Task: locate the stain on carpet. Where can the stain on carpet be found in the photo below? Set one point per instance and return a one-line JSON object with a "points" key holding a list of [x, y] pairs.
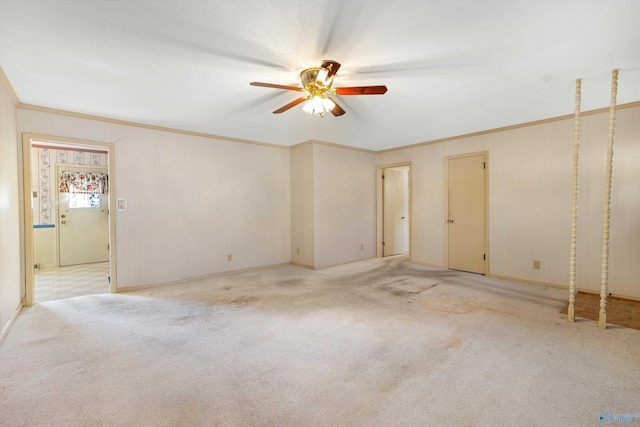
{"points": [[289, 283], [244, 300]]}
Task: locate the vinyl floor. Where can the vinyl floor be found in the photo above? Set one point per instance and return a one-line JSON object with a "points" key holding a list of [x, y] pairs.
{"points": [[72, 281]]}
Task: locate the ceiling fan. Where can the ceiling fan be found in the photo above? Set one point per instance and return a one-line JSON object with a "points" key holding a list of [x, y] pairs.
{"points": [[316, 83]]}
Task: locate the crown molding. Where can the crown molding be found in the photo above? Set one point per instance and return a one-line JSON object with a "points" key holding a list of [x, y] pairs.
{"points": [[331, 144], [145, 126], [505, 128], [346, 147], [6, 84], [302, 144]]}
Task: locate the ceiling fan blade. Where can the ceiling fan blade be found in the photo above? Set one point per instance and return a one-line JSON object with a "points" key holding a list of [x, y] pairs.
{"points": [[361, 90], [334, 20], [275, 86], [459, 62], [332, 66], [289, 105], [337, 110]]}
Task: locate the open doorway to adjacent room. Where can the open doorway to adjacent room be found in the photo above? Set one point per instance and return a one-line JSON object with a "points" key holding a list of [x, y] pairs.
{"points": [[69, 229], [394, 210]]}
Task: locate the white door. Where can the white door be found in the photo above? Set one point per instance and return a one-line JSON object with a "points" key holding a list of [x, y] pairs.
{"points": [[466, 222], [393, 212], [83, 221]]}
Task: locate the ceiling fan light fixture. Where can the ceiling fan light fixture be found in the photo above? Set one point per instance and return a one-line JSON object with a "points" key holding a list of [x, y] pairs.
{"points": [[328, 104], [322, 79], [318, 106], [316, 87]]}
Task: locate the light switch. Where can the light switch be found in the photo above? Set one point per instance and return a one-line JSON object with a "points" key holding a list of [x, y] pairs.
{"points": [[121, 204]]}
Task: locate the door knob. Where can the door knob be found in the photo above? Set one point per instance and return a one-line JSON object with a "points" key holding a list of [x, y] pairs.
{"points": [[63, 216], [450, 221], [402, 218]]}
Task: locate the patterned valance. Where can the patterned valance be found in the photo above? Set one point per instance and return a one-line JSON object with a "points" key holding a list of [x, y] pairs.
{"points": [[84, 183]]}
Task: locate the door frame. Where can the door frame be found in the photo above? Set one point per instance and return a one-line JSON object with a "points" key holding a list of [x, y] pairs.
{"points": [[59, 167], [486, 206], [379, 207], [27, 139]]}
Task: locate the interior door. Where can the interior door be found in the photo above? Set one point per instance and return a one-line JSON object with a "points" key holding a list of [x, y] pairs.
{"points": [[393, 212], [83, 222], [466, 209]]}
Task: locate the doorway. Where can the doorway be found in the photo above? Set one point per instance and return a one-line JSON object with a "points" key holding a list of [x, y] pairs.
{"points": [[69, 229], [83, 218], [394, 207], [466, 192]]}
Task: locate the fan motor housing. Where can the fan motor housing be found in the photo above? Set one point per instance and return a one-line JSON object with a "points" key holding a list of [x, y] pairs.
{"points": [[309, 78]]}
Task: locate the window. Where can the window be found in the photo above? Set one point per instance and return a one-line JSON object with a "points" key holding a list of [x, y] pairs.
{"points": [[84, 201]]}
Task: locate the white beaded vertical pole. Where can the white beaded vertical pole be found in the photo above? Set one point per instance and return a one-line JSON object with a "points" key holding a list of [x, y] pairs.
{"points": [[602, 323], [574, 211]]}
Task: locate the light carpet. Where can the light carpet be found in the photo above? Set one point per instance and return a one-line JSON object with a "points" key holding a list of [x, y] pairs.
{"points": [[372, 343]]}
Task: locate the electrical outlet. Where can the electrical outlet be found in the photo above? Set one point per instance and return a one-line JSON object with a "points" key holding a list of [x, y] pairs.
{"points": [[536, 265], [229, 257], [297, 251], [362, 246]]}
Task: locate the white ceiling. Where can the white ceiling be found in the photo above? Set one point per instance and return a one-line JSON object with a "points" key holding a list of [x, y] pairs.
{"points": [[452, 67]]}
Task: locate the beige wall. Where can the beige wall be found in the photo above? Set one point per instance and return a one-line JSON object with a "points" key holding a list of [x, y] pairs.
{"points": [[344, 205], [11, 287], [530, 179], [624, 258], [333, 200], [191, 202], [302, 209]]}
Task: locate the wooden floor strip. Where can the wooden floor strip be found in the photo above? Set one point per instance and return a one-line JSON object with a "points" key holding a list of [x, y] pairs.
{"points": [[620, 311]]}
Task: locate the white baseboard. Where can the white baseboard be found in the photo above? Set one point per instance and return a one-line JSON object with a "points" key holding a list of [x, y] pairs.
{"points": [[190, 279], [10, 323], [558, 286], [309, 267], [322, 267]]}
